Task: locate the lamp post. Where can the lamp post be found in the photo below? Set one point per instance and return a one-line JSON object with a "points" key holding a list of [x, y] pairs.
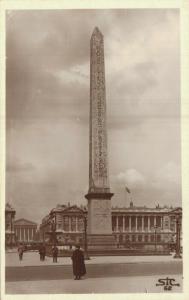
{"points": [[85, 239], [155, 237], [11, 231], [178, 227], [54, 239]]}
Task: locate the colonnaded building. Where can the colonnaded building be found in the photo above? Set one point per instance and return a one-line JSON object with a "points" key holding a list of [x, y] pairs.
{"points": [[137, 227], [18, 231]]}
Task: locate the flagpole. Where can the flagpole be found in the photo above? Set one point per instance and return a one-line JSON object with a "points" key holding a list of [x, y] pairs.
{"points": [[128, 191]]}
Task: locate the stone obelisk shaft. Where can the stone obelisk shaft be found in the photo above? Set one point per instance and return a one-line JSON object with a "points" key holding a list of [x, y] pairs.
{"points": [[99, 196], [98, 161]]}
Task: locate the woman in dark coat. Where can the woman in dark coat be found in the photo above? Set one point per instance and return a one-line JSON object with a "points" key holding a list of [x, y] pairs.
{"points": [[78, 263]]}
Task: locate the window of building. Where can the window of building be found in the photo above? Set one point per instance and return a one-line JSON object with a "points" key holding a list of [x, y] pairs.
{"points": [[127, 222], [114, 224], [7, 226], [133, 238], [133, 223], [146, 238], [59, 226], [120, 239], [158, 221], [80, 224], [158, 238], [66, 223], [140, 238], [151, 221], [73, 224], [127, 238], [152, 238], [139, 223]]}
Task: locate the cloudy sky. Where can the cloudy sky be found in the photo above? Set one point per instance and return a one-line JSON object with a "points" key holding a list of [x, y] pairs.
{"points": [[47, 102]]}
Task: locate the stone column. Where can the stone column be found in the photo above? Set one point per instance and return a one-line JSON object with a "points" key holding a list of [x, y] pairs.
{"points": [[123, 224], [148, 223], [26, 234], [142, 223], [136, 223], [22, 234], [117, 227], [130, 223], [161, 220]]}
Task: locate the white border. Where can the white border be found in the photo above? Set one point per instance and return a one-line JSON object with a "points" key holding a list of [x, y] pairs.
{"points": [[81, 4]]}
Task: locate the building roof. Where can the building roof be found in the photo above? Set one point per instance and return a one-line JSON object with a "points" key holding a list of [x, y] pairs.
{"points": [[24, 222], [131, 209], [144, 209], [68, 208]]}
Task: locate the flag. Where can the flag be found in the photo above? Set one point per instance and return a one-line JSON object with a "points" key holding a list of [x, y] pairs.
{"points": [[127, 190]]}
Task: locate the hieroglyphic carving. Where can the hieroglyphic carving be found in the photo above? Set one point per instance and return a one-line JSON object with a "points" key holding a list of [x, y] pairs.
{"points": [[98, 175]]}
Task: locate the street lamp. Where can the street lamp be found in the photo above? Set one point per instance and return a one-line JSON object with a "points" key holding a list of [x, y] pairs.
{"points": [[178, 229], [11, 231], [53, 228], [85, 239], [155, 236]]}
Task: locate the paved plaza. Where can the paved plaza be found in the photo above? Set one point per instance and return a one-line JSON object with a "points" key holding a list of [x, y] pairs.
{"points": [[138, 284], [107, 274], [32, 259]]}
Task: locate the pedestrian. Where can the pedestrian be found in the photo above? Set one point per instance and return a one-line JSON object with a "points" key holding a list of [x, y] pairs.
{"points": [[20, 251], [78, 263], [55, 253], [42, 252]]}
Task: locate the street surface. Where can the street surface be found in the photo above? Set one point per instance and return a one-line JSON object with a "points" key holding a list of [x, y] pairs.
{"points": [[93, 271], [104, 274], [144, 284]]}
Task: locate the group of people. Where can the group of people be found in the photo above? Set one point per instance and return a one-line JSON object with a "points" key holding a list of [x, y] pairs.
{"points": [[78, 261]]}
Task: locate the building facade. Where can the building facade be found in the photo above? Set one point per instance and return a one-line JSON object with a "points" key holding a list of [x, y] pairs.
{"points": [[69, 224], [25, 231], [9, 225], [133, 227], [143, 227]]}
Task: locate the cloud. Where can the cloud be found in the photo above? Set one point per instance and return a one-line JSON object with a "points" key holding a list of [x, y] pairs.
{"points": [[131, 177]]}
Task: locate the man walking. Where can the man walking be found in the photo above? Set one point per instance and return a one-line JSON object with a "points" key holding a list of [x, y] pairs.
{"points": [[55, 253], [78, 263], [20, 251], [42, 252]]}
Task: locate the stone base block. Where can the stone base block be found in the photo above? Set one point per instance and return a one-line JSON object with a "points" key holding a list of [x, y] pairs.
{"points": [[101, 241]]}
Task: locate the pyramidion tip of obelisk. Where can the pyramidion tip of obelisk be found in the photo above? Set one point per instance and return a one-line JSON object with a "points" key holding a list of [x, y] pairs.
{"points": [[97, 32]]}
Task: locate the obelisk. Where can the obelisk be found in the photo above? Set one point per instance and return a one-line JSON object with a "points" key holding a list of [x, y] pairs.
{"points": [[99, 196]]}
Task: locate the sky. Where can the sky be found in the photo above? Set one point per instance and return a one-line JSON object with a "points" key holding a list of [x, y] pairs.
{"points": [[47, 107]]}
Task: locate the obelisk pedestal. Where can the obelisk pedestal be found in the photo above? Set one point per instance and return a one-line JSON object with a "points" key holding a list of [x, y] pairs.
{"points": [[99, 226]]}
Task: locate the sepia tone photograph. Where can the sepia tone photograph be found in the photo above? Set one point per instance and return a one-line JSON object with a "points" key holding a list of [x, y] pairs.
{"points": [[93, 198]]}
